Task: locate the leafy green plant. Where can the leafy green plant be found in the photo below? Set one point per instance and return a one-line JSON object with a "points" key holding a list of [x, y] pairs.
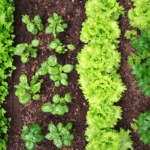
{"points": [[4, 125], [142, 125], [34, 25], [32, 135], [128, 33], [55, 70], [59, 107], [59, 47], [25, 50], [60, 135], [55, 25], [24, 91]]}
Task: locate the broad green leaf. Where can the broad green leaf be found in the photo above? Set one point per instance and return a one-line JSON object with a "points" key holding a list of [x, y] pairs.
{"points": [[56, 98], [24, 99], [67, 68], [38, 138], [64, 82], [23, 79], [49, 136], [35, 31], [35, 43], [30, 27], [69, 125], [25, 19], [46, 107], [64, 76], [59, 126], [55, 16], [57, 84], [52, 128], [64, 25], [53, 70], [54, 77], [67, 97], [52, 60], [59, 49], [40, 26], [26, 128], [53, 45], [60, 110], [36, 88], [42, 71], [134, 126], [71, 47], [49, 30], [50, 20], [20, 48], [36, 97], [58, 142], [24, 59], [35, 129], [59, 28], [37, 19], [25, 135], [67, 142], [58, 41], [71, 136], [30, 145]]}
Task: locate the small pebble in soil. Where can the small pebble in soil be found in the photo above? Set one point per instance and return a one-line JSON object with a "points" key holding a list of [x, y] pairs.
{"points": [[138, 100]]}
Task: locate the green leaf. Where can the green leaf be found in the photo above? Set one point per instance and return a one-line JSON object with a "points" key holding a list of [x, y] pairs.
{"points": [[25, 135], [23, 79], [64, 25], [42, 71], [64, 76], [69, 125], [67, 68], [25, 19], [30, 27], [20, 48], [37, 19], [53, 70], [54, 77], [64, 82], [58, 142], [52, 60], [60, 49], [38, 138], [55, 16], [71, 136], [52, 128], [60, 110], [40, 26], [56, 98], [35, 31], [53, 45], [46, 107], [49, 136], [59, 28], [57, 84], [24, 59], [35, 129], [67, 142], [134, 126], [71, 47], [49, 30], [26, 98], [26, 128], [67, 97], [59, 126], [35, 43], [58, 41], [30, 145], [36, 97]]}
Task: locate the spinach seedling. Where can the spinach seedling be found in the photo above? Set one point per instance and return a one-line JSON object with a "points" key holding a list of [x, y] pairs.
{"points": [[60, 135], [25, 50], [32, 135], [55, 70], [59, 107], [59, 47], [55, 25], [24, 91], [33, 25]]}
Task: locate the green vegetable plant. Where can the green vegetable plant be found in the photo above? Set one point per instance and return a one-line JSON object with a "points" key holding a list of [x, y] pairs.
{"points": [[4, 125], [59, 107], [58, 73], [55, 25], [60, 134], [33, 25], [128, 33], [25, 92], [25, 50], [59, 47], [142, 125], [32, 135]]}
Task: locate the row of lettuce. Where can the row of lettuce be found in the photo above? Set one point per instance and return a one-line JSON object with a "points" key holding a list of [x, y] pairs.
{"points": [[139, 17], [101, 84], [6, 62]]}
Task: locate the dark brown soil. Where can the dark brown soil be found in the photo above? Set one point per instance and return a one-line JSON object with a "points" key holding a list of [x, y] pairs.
{"points": [[133, 102]]}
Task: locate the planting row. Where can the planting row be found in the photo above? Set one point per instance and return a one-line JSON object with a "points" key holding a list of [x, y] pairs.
{"points": [[140, 61], [6, 62], [102, 86]]}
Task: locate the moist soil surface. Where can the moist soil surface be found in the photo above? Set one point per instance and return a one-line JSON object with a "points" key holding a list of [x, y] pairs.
{"points": [[73, 12]]}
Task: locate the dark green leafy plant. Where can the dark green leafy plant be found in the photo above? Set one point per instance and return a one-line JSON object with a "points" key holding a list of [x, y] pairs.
{"points": [[55, 25], [59, 107], [142, 125], [4, 125], [32, 135], [60, 135], [55, 70], [24, 91], [59, 47], [25, 50], [33, 25]]}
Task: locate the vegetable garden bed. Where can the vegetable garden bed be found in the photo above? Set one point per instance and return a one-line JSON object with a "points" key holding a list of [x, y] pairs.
{"points": [[73, 12]]}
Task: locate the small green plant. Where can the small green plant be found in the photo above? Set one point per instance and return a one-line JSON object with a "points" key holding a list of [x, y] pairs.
{"points": [[59, 47], [33, 25], [128, 33], [59, 134], [25, 50], [142, 125], [24, 91], [55, 25], [55, 70], [59, 107], [4, 125], [32, 135]]}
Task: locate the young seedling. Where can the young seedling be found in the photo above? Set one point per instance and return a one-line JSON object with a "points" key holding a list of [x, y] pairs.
{"points": [[55, 25], [59, 107], [24, 91], [55, 70], [59, 47], [33, 25], [32, 135], [60, 135], [25, 50]]}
